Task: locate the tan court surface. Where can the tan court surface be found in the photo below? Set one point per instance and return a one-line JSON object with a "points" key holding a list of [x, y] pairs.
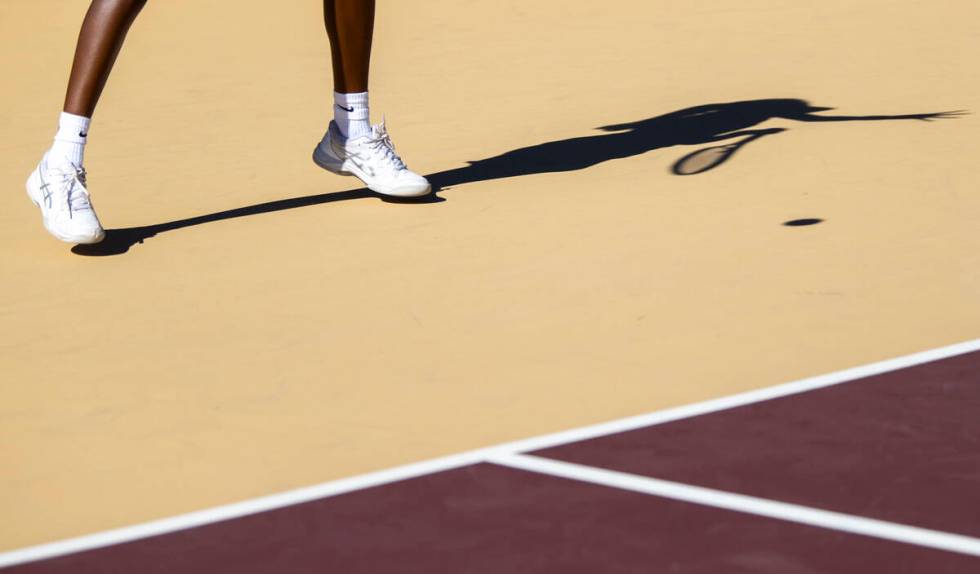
{"points": [[249, 355]]}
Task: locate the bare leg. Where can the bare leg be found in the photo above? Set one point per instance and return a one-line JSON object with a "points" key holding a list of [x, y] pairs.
{"points": [[350, 27], [99, 41]]}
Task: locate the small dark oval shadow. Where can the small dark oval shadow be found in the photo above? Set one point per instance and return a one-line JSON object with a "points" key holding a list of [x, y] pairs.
{"points": [[802, 222]]}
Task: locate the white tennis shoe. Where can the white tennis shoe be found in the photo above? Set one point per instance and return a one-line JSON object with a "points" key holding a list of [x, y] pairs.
{"points": [[66, 209], [371, 158]]}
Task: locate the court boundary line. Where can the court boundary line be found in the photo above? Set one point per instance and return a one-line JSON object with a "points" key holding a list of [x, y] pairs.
{"points": [[726, 500], [364, 481]]}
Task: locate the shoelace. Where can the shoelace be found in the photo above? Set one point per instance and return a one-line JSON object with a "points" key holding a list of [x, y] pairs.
{"points": [[76, 196], [381, 143]]}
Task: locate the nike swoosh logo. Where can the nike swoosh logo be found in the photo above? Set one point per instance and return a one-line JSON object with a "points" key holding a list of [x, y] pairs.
{"points": [[350, 109], [83, 134]]}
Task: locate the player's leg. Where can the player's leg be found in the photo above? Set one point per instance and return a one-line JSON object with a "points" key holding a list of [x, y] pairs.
{"points": [[58, 185], [350, 29], [352, 146], [102, 34]]}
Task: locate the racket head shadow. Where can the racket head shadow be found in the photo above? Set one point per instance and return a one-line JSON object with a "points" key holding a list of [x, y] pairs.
{"points": [[702, 160]]}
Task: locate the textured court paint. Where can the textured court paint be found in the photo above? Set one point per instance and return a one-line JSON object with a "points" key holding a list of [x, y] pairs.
{"points": [[809, 516], [495, 453], [902, 446], [246, 356], [490, 519]]}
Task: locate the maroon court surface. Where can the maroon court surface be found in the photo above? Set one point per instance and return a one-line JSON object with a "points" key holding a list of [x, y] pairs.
{"points": [[902, 447]]}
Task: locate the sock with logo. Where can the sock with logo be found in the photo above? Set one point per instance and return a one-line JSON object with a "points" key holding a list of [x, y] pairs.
{"points": [[350, 112], [69, 143]]}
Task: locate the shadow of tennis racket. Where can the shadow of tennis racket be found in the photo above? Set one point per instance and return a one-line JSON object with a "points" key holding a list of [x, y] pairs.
{"points": [[709, 158]]}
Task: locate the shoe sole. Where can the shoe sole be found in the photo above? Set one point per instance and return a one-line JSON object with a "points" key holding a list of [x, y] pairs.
{"points": [[77, 239], [328, 163]]}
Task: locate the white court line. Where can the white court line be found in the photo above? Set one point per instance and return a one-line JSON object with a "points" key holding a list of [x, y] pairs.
{"points": [[336, 487], [742, 503]]}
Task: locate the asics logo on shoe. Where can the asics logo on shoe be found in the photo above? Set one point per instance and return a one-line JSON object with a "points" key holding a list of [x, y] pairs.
{"points": [[363, 167], [47, 194], [44, 187], [350, 109], [343, 154], [338, 149]]}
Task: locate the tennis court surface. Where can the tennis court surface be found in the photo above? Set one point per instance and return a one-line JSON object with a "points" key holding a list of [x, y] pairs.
{"points": [[869, 470], [648, 212]]}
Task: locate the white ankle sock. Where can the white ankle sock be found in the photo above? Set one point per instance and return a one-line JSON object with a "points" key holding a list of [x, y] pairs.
{"points": [[350, 112], [69, 143]]}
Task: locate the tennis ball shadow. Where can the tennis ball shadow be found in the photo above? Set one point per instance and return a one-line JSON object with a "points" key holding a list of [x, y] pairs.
{"points": [[802, 222]]}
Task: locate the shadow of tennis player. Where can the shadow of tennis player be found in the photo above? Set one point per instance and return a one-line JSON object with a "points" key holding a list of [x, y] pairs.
{"points": [[710, 123]]}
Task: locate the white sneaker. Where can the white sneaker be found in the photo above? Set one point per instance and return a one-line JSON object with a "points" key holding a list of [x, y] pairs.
{"points": [[59, 192], [371, 158]]}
